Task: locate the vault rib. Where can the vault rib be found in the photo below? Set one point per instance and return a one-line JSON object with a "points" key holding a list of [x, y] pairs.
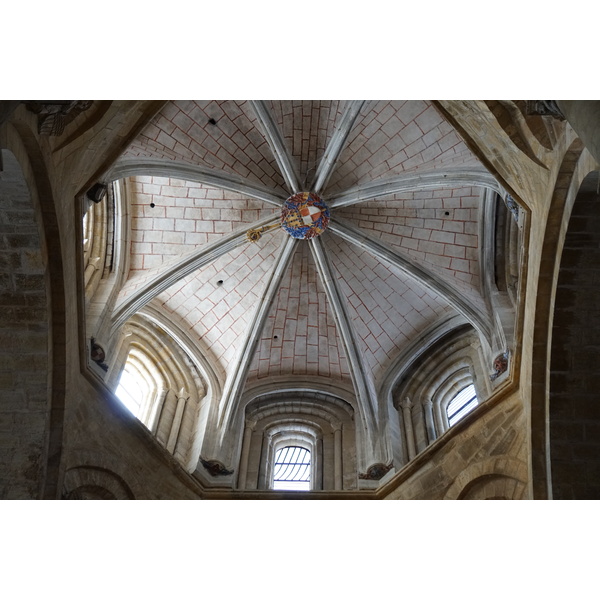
{"points": [[160, 167], [480, 320], [276, 144], [336, 145], [410, 182], [367, 401], [237, 378], [176, 271]]}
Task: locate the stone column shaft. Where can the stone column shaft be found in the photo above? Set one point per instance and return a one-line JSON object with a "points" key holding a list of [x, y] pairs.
{"points": [[337, 459], [408, 427], [245, 455]]}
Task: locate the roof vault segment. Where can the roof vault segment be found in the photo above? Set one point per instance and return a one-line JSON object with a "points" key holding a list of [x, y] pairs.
{"points": [[159, 167], [367, 401], [237, 377], [275, 141], [336, 145], [417, 272], [180, 269], [411, 182]]}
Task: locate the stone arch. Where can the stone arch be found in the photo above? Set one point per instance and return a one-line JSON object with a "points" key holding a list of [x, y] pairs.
{"points": [[325, 424], [576, 164], [499, 477], [493, 487], [86, 482], [574, 410], [18, 140], [180, 393], [513, 123], [431, 381]]}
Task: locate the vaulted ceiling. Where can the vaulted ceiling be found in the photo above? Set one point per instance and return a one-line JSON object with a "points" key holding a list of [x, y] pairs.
{"points": [[402, 252]]}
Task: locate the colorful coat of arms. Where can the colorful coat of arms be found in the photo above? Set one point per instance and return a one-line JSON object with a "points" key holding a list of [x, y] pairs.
{"points": [[304, 215]]}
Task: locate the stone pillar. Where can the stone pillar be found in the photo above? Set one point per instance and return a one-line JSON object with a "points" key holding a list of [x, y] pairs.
{"points": [[429, 422], [243, 469], [176, 425], [408, 427], [337, 457], [318, 459], [157, 411], [264, 462]]}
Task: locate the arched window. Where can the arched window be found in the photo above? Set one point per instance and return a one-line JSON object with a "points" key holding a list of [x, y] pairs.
{"points": [[140, 387], [464, 402], [291, 469]]}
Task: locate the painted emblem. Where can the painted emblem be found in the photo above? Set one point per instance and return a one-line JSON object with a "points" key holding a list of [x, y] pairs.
{"points": [[304, 215]]}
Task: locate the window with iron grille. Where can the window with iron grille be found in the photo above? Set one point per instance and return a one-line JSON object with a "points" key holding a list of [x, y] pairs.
{"points": [[291, 469], [464, 402]]}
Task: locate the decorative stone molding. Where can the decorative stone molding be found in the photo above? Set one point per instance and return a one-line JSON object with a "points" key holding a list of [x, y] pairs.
{"points": [[500, 365], [97, 192], [215, 468], [97, 354], [376, 471], [544, 108], [55, 115]]}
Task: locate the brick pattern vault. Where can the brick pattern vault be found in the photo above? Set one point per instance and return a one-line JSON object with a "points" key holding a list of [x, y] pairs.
{"points": [[201, 191]]}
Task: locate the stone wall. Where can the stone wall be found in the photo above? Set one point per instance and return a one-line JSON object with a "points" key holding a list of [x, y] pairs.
{"points": [[23, 339], [488, 446], [574, 406]]}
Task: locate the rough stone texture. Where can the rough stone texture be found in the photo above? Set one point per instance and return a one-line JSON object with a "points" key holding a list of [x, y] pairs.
{"points": [[23, 340], [493, 446], [574, 397], [104, 434]]}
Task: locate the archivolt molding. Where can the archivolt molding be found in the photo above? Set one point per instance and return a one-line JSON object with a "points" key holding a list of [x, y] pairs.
{"points": [[179, 393], [319, 422], [298, 386], [200, 356], [429, 383], [328, 407]]}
